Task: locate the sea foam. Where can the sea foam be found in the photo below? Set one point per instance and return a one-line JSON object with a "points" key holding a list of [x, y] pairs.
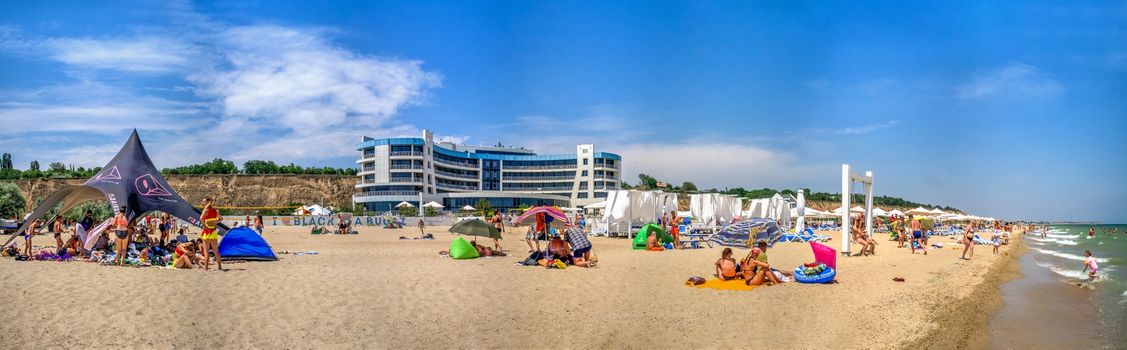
{"points": [[1066, 255]]}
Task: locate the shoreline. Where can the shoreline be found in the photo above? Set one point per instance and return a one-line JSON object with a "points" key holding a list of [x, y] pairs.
{"points": [[969, 317]]}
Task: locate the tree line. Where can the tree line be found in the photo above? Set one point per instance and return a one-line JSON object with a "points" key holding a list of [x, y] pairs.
{"points": [[216, 166], [646, 182]]}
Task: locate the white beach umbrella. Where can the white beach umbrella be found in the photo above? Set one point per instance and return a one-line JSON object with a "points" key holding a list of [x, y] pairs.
{"points": [[919, 210], [937, 211], [879, 212], [857, 209], [404, 204], [468, 208], [433, 204]]}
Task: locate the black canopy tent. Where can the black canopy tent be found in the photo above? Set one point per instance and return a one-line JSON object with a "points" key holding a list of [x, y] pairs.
{"points": [[129, 179]]}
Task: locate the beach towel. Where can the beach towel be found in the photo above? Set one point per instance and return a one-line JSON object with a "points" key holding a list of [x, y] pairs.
{"points": [[718, 284]]}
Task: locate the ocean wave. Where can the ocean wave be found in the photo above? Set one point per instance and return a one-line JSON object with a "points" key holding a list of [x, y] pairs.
{"points": [[1072, 274], [1066, 255], [1053, 240], [1062, 236]]}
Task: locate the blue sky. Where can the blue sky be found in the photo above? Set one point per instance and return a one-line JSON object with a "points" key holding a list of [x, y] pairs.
{"points": [[1004, 109]]}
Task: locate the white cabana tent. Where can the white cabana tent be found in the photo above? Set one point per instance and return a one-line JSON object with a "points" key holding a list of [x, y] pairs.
{"points": [[433, 204], [936, 211], [879, 212], [896, 212], [404, 204], [468, 208], [626, 208]]}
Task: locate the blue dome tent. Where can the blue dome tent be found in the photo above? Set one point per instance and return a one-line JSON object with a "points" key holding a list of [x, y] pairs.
{"points": [[242, 243]]}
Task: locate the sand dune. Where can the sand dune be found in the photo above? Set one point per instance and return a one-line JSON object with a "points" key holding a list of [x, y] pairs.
{"points": [[374, 291]]}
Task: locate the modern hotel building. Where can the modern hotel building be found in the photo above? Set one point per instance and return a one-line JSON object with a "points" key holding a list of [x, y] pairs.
{"points": [[394, 170]]}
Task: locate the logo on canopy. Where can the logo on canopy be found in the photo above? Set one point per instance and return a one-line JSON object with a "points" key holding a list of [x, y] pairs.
{"points": [[147, 185], [109, 174]]}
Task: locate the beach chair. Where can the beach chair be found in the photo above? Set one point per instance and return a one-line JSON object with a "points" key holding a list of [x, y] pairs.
{"points": [[694, 237]]}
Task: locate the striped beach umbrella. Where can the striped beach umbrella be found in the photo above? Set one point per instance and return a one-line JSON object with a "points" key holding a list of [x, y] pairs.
{"points": [[555, 213]]}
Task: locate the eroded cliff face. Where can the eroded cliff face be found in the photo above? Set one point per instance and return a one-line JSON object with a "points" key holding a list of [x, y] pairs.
{"points": [[231, 190]]}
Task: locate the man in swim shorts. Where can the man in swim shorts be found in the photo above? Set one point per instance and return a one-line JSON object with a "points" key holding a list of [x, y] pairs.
{"points": [[210, 235], [917, 235]]}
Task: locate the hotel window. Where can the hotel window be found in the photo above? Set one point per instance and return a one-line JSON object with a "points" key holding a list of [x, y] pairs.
{"points": [[584, 173], [582, 195], [584, 161]]}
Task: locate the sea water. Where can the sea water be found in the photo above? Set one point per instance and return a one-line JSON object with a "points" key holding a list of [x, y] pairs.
{"points": [[1054, 287]]}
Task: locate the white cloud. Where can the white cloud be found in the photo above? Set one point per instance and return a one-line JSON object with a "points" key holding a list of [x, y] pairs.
{"points": [[147, 54], [261, 91], [1014, 80], [711, 164], [865, 129]]}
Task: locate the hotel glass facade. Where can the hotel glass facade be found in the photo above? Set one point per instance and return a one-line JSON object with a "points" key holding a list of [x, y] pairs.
{"points": [[394, 170]]}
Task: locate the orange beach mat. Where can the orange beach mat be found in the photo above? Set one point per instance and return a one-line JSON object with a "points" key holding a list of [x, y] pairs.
{"points": [[716, 283]]}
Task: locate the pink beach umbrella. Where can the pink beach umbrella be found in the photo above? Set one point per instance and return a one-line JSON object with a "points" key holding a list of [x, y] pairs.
{"points": [[558, 216]]}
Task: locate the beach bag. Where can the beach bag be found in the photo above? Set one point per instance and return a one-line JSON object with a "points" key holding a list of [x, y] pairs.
{"points": [[533, 259], [21, 257], [695, 280]]}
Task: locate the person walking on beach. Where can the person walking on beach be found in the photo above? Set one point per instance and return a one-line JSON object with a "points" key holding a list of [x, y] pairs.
{"points": [[209, 234], [500, 225], [422, 228], [121, 236], [968, 241], [1090, 264], [917, 234]]}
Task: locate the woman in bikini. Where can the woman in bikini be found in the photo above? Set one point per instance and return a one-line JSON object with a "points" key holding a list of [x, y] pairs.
{"points": [[968, 241], [121, 236], [499, 224]]}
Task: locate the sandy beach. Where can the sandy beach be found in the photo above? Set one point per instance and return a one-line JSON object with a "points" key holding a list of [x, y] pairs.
{"points": [[373, 290]]}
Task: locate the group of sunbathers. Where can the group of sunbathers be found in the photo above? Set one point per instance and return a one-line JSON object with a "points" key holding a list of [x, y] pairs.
{"points": [[754, 268]]}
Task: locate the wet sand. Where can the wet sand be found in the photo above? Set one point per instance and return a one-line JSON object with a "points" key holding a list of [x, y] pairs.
{"points": [[374, 291], [1040, 312]]}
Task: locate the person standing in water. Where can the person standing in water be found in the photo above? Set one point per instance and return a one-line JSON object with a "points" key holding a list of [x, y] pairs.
{"points": [[1090, 264], [210, 235], [1091, 232]]}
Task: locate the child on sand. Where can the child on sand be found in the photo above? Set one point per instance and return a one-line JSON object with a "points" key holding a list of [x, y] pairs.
{"points": [[726, 268], [1090, 264]]}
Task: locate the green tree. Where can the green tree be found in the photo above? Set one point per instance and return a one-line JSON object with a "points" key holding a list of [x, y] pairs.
{"points": [[57, 167], [428, 211], [101, 210], [484, 207], [688, 187], [6, 162], [34, 166], [12, 201], [260, 167], [626, 186], [646, 181], [408, 211]]}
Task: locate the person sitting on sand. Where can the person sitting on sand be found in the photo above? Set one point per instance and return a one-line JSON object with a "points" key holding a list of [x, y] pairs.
{"points": [[183, 256], [652, 243], [760, 270], [726, 268]]}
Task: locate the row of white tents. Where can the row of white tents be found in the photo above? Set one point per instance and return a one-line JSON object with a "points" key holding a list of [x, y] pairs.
{"points": [[625, 208]]}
